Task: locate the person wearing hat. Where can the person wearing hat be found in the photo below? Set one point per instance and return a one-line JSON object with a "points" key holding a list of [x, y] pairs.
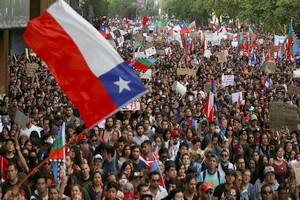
{"points": [[269, 178], [146, 196], [224, 162], [223, 188], [253, 125], [85, 149], [174, 144], [211, 174], [204, 190], [222, 143]]}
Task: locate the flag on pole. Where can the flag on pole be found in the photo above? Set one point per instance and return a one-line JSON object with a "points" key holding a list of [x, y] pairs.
{"points": [[209, 106], [155, 167], [57, 153], [72, 48], [104, 31], [183, 28], [252, 58], [267, 81], [192, 26], [145, 20], [239, 102]]}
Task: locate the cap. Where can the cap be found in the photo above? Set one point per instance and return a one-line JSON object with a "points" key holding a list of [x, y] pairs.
{"points": [[230, 172], [213, 156], [133, 176], [81, 138], [174, 133], [146, 195], [205, 186], [98, 156], [50, 140], [269, 169], [253, 117]]}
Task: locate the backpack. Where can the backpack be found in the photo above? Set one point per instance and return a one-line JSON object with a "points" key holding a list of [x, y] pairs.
{"points": [[218, 173]]}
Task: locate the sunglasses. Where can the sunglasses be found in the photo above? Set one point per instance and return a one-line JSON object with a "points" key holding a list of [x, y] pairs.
{"points": [[229, 129], [224, 155], [94, 140], [175, 136], [267, 192], [155, 180], [208, 192]]}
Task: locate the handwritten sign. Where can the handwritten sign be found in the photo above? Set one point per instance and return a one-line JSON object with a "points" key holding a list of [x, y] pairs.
{"points": [[184, 71], [133, 106], [31, 69], [150, 51], [283, 114], [293, 90], [227, 80], [271, 67]]}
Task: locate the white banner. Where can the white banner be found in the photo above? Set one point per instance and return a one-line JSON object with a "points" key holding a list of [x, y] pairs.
{"points": [[133, 106], [151, 51], [227, 80], [278, 39], [235, 96]]}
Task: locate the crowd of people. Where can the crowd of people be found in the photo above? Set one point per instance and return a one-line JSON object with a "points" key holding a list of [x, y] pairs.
{"points": [[237, 155]]}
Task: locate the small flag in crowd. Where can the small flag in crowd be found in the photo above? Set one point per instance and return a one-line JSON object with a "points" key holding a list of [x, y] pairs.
{"points": [[57, 153], [72, 49], [155, 167], [142, 64], [104, 31], [209, 106], [252, 58], [168, 51], [192, 26], [268, 83], [145, 20], [183, 28]]}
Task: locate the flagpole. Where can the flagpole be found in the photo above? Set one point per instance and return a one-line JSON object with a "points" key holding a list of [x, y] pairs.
{"points": [[48, 158]]}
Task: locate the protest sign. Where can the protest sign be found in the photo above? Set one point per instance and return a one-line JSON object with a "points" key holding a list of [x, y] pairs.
{"points": [[31, 69], [221, 57], [184, 71], [139, 37], [283, 115], [295, 165], [161, 52], [270, 67], [227, 80], [234, 43], [293, 90], [207, 53], [150, 51], [133, 106], [235, 96], [178, 88], [147, 74], [296, 74], [206, 87]]}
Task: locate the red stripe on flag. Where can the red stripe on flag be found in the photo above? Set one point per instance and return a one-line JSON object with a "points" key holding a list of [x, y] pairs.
{"points": [[68, 69]]}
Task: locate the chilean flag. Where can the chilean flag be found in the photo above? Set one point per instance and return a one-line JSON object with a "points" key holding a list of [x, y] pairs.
{"points": [[183, 28], [88, 69], [209, 106], [104, 32], [267, 81]]}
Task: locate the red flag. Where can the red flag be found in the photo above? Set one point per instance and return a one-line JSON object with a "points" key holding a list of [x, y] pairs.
{"points": [[239, 102], [145, 20]]}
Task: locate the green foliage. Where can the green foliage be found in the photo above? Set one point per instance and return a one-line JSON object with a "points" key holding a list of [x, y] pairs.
{"points": [[271, 15]]}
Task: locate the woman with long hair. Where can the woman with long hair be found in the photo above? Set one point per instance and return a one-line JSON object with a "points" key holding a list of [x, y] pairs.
{"points": [[280, 166], [263, 148], [126, 153], [97, 186]]}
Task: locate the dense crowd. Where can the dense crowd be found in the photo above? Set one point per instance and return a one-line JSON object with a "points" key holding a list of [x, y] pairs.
{"points": [[238, 155]]}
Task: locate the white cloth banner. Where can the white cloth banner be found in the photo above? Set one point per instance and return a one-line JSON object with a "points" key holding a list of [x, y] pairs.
{"points": [[227, 80]]}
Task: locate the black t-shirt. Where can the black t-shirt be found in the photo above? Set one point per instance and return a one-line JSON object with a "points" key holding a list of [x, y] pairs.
{"points": [[6, 186], [220, 191]]}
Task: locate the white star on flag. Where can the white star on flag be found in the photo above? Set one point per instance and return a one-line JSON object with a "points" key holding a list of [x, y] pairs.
{"points": [[122, 84]]}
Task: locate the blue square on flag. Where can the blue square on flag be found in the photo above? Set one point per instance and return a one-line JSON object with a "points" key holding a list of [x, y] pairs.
{"points": [[102, 28]]}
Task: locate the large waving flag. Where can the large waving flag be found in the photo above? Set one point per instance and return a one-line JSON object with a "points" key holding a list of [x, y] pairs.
{"points": [[57, 153], [88, 69], [290, 42], [209, 106], [241, 39]]}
